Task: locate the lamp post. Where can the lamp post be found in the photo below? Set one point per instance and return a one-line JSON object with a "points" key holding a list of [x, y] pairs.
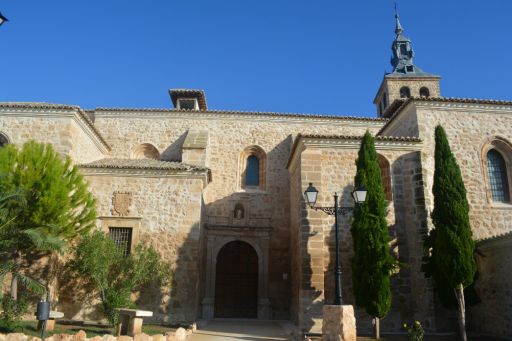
{"points": [[359, 196], [2, 19]]}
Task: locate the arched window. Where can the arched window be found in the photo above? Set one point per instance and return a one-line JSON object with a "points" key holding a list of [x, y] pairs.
{"points": [[3, 140], [252, 167], [424, 92], [146, 151], [385, 175], [252, 171], [497, 171], [405, 92]]}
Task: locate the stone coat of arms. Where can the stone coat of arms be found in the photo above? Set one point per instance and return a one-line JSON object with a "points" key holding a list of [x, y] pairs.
{"points": [[121, 202]]}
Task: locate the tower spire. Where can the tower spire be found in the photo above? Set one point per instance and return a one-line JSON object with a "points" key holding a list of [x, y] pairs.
{"points": [[403, 54], [398, 28]]}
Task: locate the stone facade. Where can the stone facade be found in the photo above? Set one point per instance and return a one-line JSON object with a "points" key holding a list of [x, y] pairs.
{"points": [[494, 285], [178, 179]]}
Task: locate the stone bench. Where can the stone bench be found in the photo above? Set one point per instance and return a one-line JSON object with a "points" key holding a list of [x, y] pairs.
{"points": [[50, 323], [130, 321]]}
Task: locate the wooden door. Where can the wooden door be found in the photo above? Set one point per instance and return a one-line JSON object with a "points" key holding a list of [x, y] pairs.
{"points": [[236, 281]]}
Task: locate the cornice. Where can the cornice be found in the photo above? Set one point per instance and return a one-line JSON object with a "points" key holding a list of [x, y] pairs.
{"points": [[203, 175]]}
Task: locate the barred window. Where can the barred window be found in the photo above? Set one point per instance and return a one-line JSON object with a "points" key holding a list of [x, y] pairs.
{"points": [[122, 236], [497, 176]]}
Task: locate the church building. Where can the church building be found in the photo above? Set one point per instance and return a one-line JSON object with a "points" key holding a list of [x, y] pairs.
{"points": [[220, 195]]}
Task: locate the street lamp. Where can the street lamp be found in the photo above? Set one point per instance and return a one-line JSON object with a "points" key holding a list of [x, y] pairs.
{"points": [[359, 196], [2, 19]]}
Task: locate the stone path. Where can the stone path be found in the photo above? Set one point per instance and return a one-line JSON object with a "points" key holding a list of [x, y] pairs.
{"points": [[247, 330]]}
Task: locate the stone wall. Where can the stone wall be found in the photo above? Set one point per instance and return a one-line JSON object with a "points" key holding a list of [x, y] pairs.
{"points": [[63, 129], [470, 129], [165, 212], [332, 168], [228, 136], [494, 286], [415, 84]]}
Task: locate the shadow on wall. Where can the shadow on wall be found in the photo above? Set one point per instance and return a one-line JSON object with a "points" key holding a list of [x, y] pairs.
{"points": [[249, 214], [177, 304], [409, 222], [364, 322], [173, 152]]}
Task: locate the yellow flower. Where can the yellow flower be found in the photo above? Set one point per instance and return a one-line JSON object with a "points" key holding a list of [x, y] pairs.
{"points": [[417, 323], [405, 325]]}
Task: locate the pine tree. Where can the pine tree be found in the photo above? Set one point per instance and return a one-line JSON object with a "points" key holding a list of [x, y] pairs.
{"points": [[450, 244], [373, 263], [55, 208]]}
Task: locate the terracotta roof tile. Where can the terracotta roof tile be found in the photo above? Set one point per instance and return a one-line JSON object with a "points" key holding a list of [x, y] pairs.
{"points": [[240, 112], [150, 164], [496, 237], [359, 137]]}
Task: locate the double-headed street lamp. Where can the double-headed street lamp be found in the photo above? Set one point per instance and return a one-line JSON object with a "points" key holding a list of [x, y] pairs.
{"points": [[359, 196]]}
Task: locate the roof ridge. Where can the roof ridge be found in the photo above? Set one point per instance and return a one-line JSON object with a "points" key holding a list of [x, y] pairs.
{"points": [[270, 113]]}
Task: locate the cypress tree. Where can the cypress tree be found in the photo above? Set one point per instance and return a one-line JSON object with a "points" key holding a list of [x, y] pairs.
{"points": [[450, 244], [373, 263]]}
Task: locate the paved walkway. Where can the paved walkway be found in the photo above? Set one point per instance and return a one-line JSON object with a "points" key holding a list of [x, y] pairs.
{"points": [[247, 330]]}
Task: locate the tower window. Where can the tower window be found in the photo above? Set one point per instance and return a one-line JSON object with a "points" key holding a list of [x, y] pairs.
{"points": [[409, 68], [405, 92], [385, 100], [403, 49], [424, 92], [187, 103], [497, 176]]}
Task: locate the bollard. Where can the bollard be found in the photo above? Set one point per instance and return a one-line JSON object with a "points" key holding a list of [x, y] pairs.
{"points": [[43, 314]]}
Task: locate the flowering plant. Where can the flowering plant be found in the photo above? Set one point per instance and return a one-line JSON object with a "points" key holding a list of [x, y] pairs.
{"points": [[415, 331]]}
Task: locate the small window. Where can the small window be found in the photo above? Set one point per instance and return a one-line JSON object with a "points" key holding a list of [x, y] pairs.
{"points": [[385, 175], [403, 49], [3, 140], [187, 103], [424, 92], [122, 237], [409, 68], [252, 173], [405, 92], [498, 181], [385, 100]]}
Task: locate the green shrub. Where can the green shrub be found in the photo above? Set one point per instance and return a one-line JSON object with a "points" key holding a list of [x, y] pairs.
{"points": [[114, 276], [12, 312], [415, 331]]}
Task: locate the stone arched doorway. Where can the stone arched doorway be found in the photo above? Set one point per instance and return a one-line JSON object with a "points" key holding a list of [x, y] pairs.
{"points": [[236, 281], [217, 238]]}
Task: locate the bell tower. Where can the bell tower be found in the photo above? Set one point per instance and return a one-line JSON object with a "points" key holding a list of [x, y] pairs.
{"points": [[406, 80]]}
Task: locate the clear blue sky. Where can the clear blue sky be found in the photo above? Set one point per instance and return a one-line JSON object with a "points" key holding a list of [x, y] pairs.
{"points": [[315, 56]]}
